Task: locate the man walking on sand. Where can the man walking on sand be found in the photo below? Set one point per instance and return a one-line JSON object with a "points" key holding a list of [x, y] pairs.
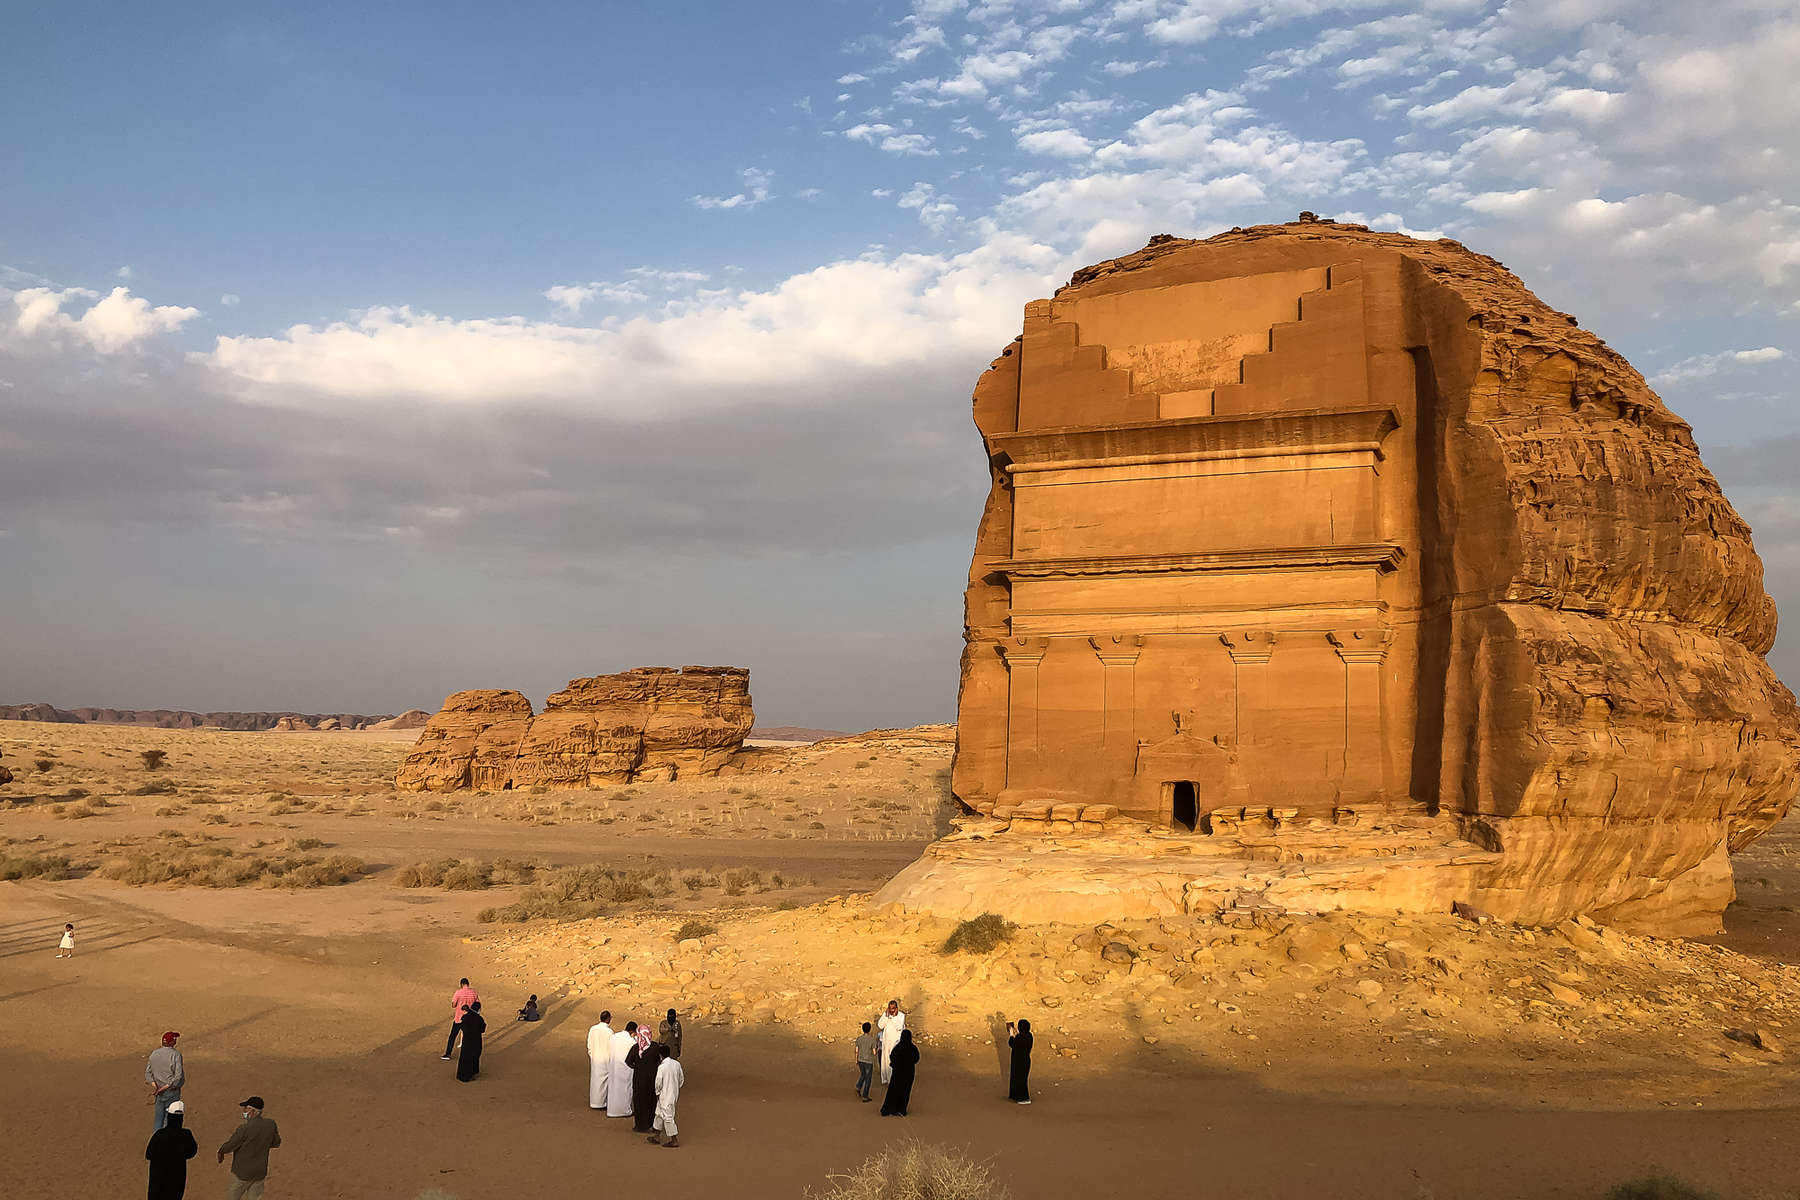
{"points": [[249, 1146], [459, 1004], [163, 1075], [599, 1048]]}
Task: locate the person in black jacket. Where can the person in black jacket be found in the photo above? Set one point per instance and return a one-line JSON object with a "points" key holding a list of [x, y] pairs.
{"points": [[468, 1066], [904, 1060], [1018, 1036], [168, 1153]]}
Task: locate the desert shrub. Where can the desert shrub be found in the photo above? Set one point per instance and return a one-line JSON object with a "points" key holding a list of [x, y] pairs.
{"points": [[218, 867], [695, 928], [574, 893], [1656, 1187], [466, 877], [979, 935], [76, 794], [739, 880], [787, 906], [915, 1171], [153, 759], [162, 787], [693, 883], [816, 825], [214, 819], [43, 764], [78, 812], [36, 866], [305, 843]]}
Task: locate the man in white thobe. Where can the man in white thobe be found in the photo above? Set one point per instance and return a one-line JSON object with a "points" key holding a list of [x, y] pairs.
{"points": [[599, 1046], [669, 1078], [618, 1090], [891, 1023]]}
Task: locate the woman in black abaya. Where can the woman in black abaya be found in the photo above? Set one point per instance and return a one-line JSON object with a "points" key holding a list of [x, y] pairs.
{"points": [[168, 1153], [643, 1062], [1020, 1041], [904, 1060], [468, 1065]]}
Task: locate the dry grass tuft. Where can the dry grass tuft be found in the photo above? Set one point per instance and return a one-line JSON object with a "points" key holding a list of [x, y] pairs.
{"points": [[915, 1171], [1656, 1187], [188, 865], [695, 928], [979, 935], [36, 866]]}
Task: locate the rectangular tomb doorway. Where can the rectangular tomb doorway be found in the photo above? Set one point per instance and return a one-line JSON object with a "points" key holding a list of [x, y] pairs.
{"points": [[1184, 807]]}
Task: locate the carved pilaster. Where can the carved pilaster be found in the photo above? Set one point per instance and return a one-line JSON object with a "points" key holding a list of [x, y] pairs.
{"points": [[1118, 656], [1250, 653], [1365, 732], [1022, 657]]}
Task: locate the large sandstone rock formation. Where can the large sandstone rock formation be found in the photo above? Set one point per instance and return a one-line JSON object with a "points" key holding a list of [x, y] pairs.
{"points": [[1303, 535], [650, 723]]}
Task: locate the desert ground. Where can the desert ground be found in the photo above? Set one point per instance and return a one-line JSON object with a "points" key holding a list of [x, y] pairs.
{"points": [[270, 896]]}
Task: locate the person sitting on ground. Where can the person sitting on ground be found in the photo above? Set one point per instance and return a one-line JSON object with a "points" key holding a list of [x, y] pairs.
{"points": [[168, 1153], [530, 1011]]}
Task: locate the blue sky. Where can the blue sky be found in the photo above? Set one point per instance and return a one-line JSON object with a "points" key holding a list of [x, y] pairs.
{"points": [[353, 354]]}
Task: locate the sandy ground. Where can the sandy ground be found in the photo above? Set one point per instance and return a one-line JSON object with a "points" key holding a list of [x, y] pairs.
{"points": [[332, 1002]]}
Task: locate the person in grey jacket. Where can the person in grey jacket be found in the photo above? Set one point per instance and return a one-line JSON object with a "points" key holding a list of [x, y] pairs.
{"points": [[164, 1075]]}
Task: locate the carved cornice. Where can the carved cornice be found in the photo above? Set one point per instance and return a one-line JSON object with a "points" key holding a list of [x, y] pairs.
{"points": [[1310, 431], [1253, 646], [1118, 650], [1023, 651], [1381, 556], [1361, 645]]}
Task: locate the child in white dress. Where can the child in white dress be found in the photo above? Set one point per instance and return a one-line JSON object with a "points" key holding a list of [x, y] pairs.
{"points": [[67, 947]]}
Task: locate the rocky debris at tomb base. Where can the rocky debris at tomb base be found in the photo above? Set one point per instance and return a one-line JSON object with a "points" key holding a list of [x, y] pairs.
{"points": [[1182, 982], [646, 724], [1309, 526]]}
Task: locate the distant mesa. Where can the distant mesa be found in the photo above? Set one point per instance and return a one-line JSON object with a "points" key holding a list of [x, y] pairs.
{"points": [[412, 718], [1325, 568], [792, 733], [170, 718], [649, 723]]}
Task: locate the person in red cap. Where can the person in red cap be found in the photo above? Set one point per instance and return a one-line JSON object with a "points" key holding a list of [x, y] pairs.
{"points": [[164, 1075]]}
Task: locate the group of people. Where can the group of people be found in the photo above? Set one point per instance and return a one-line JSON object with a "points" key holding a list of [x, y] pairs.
{"points": [[172, 1144], [888, 1045], [634, 1074]]}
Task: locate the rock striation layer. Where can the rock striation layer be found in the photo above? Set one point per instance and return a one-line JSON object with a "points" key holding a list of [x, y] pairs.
{"points": [[1307, 528], [649, 723]]}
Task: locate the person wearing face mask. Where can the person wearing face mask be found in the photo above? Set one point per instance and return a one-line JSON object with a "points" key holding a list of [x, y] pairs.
{"points": [[168, 1153], [249, 1146]]}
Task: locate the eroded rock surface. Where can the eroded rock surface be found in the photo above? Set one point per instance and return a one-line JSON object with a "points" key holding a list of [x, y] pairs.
{"points": [[1306, 526], [650, 723]]}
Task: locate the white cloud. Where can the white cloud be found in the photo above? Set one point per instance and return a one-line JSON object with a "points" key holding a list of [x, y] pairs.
{"points": [[935, 212], [1062, 143], [230, 299], [124, 272], [115, 322], [795, 343], [756, 191], [1703, 366]]}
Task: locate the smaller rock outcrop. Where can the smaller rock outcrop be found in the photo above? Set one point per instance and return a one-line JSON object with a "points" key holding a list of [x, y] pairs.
{"points": [[470, 743], [649, 723], [412, 718], [291, 725]]}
